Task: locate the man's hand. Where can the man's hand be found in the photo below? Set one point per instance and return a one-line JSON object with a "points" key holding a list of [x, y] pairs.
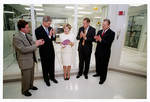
{"points": [[53, 31], [98, 38], [39, 42], [81, 34], [50, 32]]}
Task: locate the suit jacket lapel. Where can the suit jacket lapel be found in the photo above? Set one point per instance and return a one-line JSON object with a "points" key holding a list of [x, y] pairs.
{"points": [[106, 33], [24, 38], [43, 30], [88, 31]]}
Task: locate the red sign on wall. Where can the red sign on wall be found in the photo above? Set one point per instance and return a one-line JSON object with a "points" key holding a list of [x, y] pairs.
{"points": [[121, 13]]}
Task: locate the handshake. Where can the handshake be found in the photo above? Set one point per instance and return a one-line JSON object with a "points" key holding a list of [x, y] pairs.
{"points": [[39, 42]]}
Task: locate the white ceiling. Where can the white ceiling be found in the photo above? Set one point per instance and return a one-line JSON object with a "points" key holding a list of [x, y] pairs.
{"points": [[59, 10]]}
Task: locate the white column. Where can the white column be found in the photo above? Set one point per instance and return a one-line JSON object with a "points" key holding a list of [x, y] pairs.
{"points": [[117, 22], [75, 32], [104, 14], [33, 21], [33, 30]]}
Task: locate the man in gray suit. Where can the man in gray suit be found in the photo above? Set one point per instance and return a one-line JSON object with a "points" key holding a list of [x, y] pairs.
{"points": [[25, 48]]}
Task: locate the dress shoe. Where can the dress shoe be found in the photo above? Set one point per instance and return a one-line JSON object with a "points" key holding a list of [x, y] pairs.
{"points": [[67, 78], [101, 82], [55, 81], [78, 76], [96, 75], [34, 88], [27, 93], [86, 77], [48, 83]]}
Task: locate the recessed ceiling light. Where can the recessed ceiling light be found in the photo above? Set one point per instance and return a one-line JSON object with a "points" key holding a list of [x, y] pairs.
{"points": [[9, 12], [39, 13], [97, 17], [79, 15], [37, 9], [38, 5], [72, 7], [85, 12], [135, 4]]}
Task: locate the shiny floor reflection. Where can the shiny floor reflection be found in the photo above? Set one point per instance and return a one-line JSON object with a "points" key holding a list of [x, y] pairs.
{"points": [[117, 86]]}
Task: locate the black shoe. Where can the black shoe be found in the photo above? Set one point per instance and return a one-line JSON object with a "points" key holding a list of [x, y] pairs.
{"points": [[101, 82], [34, 88], [86, 77], [27, 93], [48, 83], [78, 76], [96, 75], [55, 81], [67, 78]]}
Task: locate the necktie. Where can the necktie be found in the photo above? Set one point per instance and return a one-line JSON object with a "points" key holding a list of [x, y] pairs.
{"points": [[83, 38], [103, 33], [33, 51], [47, 31]]}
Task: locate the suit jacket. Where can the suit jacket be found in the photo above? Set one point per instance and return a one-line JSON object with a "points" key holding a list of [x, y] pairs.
{"points": [[24, 50], [88, 42], [103, 48], [47, 49]]}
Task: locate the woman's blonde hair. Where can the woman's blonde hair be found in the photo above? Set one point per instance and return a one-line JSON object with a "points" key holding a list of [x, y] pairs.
{"points": [[67, 25]]}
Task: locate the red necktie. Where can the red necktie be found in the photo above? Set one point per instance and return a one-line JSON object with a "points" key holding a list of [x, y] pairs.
{"points": [[103, 33]]}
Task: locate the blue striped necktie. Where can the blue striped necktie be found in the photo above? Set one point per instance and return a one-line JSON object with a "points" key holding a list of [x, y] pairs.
{"points": [[47, 31]]}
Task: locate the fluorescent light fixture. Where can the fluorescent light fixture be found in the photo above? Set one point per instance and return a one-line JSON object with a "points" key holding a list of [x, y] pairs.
{"points": [[39, 13], [9, 12], [37, 9], [79, 15], [97, 17], [85, 12], [72, 7], [135, 4], [39, 5]]}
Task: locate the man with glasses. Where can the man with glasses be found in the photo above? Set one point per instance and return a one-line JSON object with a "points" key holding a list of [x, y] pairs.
{"points": [[46, 51]]}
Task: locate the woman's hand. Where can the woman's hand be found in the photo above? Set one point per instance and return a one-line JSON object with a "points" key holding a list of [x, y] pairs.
{"points": [[61, 45], [70, 43]]}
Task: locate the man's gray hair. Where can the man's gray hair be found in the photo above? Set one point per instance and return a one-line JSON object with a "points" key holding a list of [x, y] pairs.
{"points": [[47, 18], [107, 21]]}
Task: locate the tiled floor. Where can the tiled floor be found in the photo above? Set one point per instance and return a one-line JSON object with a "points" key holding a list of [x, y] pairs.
{"points": [[117, 86], [129, 58], [133, 58]]}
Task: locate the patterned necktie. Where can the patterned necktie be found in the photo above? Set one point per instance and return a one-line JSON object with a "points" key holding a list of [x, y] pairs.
{"points": [[47, 31], [33, 51], [83, 38], [103, 33]]}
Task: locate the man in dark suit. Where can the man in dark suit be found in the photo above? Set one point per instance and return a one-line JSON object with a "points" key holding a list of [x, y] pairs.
{"points": [[104, 41], [86, 36], [46, 51], [25, 49]]}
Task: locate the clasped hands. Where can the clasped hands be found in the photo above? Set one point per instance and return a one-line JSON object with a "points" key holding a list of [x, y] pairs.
{"points": [[39, 42], [52, 32], [98, 38], [82, 35]]}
